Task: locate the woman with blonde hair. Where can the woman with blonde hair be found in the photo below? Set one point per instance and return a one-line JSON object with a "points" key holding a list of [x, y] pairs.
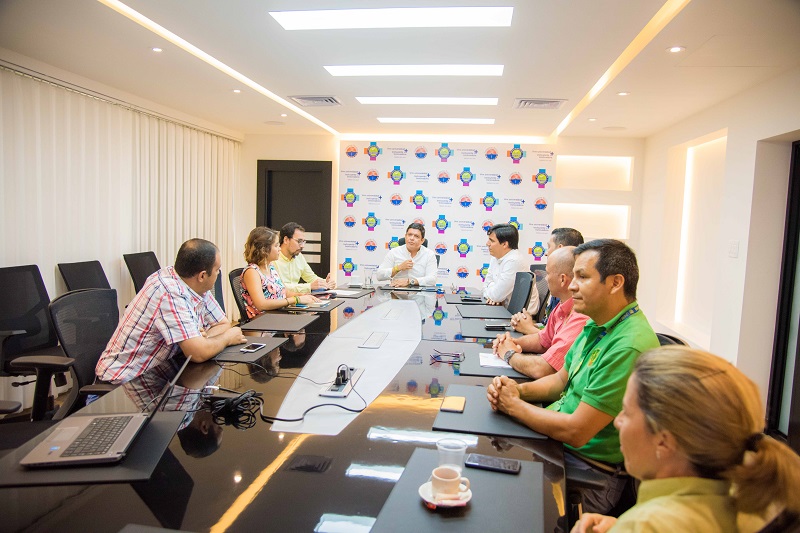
{"points": [[262, 288], [691, 429]]}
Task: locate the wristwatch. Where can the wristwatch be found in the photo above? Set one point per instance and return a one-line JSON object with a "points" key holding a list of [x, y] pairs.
{"points": [[413, 282], [508, 355]]}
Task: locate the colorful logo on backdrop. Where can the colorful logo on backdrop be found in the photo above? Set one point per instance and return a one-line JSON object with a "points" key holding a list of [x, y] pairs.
{"points": [[373, 151], [370, 221], [540, 204], [515, 178], [541, 178], [349, 221], [516, 223], [462, 272], [516, 154], [397, 175], [351, 151], [491, 154], [487, 225], [438, 316], [466, 176], [348, 267], [419, 199], [443, 176], [465, 201], [537, 251], [483, 271], [440, 248], [348, 312], [350, 197], [463, 248], [444, 152], [394, 243], [373, 175], [489, 201], [441, 224], [371, 245], [396, 199], [421, 152]]}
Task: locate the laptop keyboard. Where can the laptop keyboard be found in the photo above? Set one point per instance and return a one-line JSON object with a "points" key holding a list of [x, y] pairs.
{"points": [[98, 437]]}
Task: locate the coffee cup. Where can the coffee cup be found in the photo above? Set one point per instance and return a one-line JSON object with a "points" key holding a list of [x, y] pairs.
{"points": [[446, 480]]}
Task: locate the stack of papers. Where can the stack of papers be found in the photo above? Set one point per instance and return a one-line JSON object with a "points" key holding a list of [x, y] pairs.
{"points": [[490, 360]]}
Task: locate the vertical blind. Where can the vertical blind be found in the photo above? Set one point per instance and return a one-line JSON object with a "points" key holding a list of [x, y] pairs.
{"points": [[83, 178]]}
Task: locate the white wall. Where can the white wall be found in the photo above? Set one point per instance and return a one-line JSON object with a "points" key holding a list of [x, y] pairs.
{"points": [[752, 210]]}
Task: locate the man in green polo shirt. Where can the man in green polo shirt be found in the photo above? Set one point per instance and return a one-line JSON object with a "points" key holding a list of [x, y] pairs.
{"points": [[586, 394]]}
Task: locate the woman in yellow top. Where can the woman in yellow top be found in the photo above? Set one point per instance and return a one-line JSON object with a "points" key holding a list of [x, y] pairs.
{"points": [[691, 430], [262, 288]]}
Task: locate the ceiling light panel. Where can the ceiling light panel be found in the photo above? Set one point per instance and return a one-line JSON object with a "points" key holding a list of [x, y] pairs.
{"points": [[424, 100], [415, 70], [427, 17], [407, 120]]}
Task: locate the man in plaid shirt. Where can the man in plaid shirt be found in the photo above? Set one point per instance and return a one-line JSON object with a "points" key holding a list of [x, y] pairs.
{"points": [[174, 312]]}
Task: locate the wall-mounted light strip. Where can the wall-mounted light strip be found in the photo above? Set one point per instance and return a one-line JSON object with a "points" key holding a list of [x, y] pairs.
{"points": [[424, 100], [424, 120], [145, 22], [414, 70], [659, 21], [408, 17]]}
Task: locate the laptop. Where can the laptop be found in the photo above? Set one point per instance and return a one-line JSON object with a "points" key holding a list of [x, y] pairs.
{"points": [[96, 439]]}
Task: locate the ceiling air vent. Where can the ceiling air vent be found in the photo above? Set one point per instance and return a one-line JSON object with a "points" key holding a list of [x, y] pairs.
{"points": [[537, 103], [316, 101]]}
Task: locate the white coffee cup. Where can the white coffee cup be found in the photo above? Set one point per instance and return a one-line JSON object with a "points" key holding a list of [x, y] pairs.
{"points": [[447, 480]]}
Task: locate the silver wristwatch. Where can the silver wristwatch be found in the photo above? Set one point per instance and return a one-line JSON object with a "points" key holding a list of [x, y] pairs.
{"points": [[508, 355]]}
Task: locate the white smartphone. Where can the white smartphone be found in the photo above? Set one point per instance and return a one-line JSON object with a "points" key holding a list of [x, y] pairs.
{"points": [[252, 347]]}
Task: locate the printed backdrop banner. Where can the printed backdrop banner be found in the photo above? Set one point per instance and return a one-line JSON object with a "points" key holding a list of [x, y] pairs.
{"points": [[456, 190]]}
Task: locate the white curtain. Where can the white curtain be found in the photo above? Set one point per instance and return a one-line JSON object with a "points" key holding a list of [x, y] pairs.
{"points": [[82, 178]]}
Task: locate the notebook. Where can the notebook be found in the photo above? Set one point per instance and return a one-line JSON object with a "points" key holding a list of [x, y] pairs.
{"points": [[97, 439]]}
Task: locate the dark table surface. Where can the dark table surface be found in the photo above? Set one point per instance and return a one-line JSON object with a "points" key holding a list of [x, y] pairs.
{"points": [[260, 480]]}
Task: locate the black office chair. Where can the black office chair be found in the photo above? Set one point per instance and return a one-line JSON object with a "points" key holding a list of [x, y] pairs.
{"points": [[28, 342], [84, 320], [84, 275], [542, 290], [141, 265], [784, 522], [235, 277], [402, 240], [666, 340], [523, 285], [217, 292]]}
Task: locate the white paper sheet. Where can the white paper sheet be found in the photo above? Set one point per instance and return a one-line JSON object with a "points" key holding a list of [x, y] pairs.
{"points": [[490, 360]]}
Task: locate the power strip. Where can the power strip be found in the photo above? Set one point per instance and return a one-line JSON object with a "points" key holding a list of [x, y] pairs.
{"points": [[341, 391]]}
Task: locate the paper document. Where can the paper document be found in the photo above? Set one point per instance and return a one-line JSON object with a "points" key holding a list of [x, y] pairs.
{"points": [[491, 360], [340, 292]]}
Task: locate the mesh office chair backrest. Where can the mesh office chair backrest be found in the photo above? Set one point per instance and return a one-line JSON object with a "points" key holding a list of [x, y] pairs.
{"points": [[542, 289], [23, 306], [141, 265], [84, 275], [523, 284], [85, 321], [217, 292], [235, 277], [666, 340]]}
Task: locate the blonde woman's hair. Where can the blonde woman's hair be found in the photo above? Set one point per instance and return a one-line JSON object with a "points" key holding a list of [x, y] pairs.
{"points": [[715, 414], [258, 244]]}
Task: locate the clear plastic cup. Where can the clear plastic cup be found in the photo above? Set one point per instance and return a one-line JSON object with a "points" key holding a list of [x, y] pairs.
{"points": [[451, 453]]}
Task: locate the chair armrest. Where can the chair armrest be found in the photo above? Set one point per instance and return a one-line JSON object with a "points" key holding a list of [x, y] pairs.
{"points": [[584, 479], [52, 363], [98, 388]]}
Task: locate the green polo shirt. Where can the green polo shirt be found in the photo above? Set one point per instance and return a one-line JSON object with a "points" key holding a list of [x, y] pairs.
{"points": [[599, 372]]}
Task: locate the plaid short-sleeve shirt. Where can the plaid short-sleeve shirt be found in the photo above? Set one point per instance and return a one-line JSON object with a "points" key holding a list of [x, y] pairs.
{"points": [[164, 313]]}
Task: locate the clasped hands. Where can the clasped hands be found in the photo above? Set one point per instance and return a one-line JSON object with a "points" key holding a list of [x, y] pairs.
{"points": [[408, 264], [327, 283], [503, 343], [502, 393]]}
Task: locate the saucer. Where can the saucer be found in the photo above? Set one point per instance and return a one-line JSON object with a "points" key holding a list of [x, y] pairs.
{"points": [[426, 493]]}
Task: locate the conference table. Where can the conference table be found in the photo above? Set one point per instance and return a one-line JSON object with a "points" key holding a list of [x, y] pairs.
{"points": [[256, 479]]}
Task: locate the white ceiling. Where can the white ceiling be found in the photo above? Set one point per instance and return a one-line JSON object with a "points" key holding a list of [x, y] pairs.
{"points": [[553, 49]]}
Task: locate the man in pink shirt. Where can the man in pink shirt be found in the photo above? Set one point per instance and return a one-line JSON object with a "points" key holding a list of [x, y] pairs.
{"points": [[554, 341]]}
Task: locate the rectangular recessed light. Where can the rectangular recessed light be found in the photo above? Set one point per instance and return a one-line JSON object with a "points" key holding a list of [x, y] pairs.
{"points": [[424, 100], [406, 120], [409, 17], [415, 70]]}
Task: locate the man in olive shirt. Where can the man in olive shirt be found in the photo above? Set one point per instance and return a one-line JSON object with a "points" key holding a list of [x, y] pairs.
{"points": [[586, 394]]}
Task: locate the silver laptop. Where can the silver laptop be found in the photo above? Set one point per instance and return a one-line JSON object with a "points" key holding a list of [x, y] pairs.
{"points": [[96, 439]]}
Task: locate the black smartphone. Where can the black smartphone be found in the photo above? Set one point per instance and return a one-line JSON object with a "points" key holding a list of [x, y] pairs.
{"points": [[495, 464], [497, 326], [471, 299], [252, 347]]}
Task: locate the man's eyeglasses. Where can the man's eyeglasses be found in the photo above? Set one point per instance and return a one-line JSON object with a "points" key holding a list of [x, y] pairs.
{"points": [[447, 358], [301, 242]]}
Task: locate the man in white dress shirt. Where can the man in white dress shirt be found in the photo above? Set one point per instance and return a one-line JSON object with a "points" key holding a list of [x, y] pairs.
{"points": [[411, 265], [506, 261]]}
